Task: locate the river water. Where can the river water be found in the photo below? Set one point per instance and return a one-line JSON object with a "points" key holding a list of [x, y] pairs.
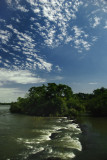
{"points": [[36, 138], [93, 138]]}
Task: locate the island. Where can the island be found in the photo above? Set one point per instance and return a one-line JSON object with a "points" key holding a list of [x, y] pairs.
{"points": [[58, 100], [49, 100]]}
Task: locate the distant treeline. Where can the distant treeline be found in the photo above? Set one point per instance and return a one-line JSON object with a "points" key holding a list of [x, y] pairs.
{"points": [[5, 103], [59, 100]]}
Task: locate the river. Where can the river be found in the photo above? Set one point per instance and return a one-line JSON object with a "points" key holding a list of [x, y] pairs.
{"points": [[37, 138], [93, 138], [24, 137]]}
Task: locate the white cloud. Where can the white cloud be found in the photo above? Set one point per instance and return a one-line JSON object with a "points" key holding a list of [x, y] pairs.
{"points": [[44, 65], [80, 39], [5, 36], [22, 8], [96, 21], [20, 76], [26, 45], [93, 83], [57, 78], [77, 31], [58, 13], [58, 68], [59, 27], [37, 10], [105, 27], [86, 44], [68, 39], [15, 4], [94, 38], [2, 20]]}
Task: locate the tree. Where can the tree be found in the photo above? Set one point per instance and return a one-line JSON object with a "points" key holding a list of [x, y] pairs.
{"points": [[97, 105], [50, 100]]}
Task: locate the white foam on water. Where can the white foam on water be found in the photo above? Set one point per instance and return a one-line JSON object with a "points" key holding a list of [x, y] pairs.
{"points": [[26, 141], [36, 150], [66, 140], [74, 127], [30, 147], [19, 139], [29, 141], [62, 155], [55, 127], [48, 149], [72, 143], [43, 138]]}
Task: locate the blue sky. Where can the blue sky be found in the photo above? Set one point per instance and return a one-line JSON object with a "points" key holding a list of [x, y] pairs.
{"points": [[44, 41]]}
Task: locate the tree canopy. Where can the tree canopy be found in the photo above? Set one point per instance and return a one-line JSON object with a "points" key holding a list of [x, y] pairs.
{"points": [[97, 104], [58, 100], [48, 100]]}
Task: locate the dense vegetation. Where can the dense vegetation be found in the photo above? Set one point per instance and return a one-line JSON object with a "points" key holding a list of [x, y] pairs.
{"points": [[59, 100], [95, 103], [50, 100]]}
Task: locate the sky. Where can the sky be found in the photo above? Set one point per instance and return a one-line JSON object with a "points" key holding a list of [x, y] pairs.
{"points": [[52, 41]]}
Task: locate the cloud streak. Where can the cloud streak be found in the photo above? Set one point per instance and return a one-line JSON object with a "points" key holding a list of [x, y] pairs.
{"points": [[20, 76], [93, 83]]}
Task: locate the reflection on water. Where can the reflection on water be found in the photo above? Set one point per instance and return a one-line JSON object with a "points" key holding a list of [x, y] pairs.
{"points": [[24, 137]]}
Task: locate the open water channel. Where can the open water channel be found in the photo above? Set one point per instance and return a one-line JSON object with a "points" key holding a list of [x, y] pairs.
{"points": [[36, 138]]}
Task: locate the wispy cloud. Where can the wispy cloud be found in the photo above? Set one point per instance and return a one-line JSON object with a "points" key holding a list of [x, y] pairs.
{"points": [[20, 76], [24, 53], [19, 38], [80, 39], [5, 36], [57, 78], [15, 5], [57, 15], [105, 27], [58, 68], [93, 83], [96, 21]]}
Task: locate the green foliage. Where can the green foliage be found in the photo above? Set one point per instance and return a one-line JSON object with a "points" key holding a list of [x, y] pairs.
{"points": [[97, 104], [50, 100], [59, 100]]}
